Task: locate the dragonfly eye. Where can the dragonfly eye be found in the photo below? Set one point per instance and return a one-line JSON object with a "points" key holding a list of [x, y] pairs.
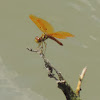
{"points": [[37, 39]]}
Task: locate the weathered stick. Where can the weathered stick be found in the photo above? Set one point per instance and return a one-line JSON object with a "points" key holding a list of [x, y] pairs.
{"points": [[62, 84], [78, 89]]}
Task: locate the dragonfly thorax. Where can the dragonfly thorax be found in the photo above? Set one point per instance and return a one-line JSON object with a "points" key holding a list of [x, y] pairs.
{"points": [[41, 39]]}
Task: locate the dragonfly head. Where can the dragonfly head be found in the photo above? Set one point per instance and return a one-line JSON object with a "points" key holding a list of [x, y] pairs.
{"points": [[37, 39]]}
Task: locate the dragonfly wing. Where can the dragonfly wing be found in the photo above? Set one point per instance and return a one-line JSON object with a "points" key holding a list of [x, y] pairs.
{"points": [[61, 35], [43, 25]]}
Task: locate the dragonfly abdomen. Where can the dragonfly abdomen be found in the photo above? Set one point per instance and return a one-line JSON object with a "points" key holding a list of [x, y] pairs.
{"points": [[55, 40]]}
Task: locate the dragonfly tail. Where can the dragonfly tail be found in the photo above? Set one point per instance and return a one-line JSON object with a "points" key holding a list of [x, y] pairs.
{"points": [[52, 38]]}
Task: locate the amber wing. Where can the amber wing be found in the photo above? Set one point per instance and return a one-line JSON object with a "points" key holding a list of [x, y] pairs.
{"points": [[43, 25], [61, 35]]}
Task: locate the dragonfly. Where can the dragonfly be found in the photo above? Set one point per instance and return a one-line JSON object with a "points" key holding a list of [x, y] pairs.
{"points": [[48, 32]]}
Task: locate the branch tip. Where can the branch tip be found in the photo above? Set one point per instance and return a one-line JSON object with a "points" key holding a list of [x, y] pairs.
{"points": [[78, 89]]}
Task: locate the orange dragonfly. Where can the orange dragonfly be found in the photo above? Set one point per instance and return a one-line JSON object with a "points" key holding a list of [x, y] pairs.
{"points": [[48, 31]]}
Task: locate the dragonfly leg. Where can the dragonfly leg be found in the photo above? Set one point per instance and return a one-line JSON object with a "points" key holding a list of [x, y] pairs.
{"points": [[39, 46], [45, 47], [42, 47]]}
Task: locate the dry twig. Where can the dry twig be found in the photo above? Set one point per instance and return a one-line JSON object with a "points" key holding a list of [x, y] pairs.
{"points": [[78, 89], [62, 84]]}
